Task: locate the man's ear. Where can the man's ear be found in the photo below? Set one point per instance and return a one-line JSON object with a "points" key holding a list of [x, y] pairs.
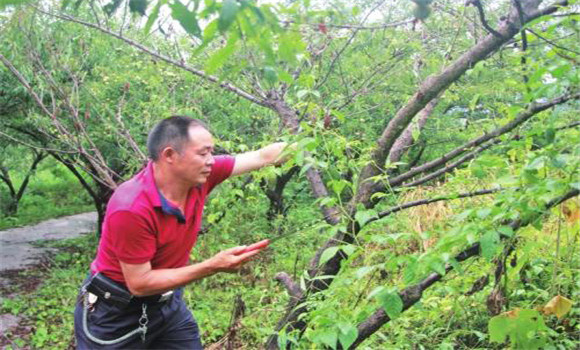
{"points": [[169, 155]]}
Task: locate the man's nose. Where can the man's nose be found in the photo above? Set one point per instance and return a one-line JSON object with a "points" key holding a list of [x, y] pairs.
{"points": [[210, 160]]}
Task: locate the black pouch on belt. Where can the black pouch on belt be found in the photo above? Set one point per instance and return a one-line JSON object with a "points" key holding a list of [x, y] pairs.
{"points": [[109, 290]]}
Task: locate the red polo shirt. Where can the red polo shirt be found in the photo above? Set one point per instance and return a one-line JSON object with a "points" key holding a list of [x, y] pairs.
{"points": [[141, 225]]}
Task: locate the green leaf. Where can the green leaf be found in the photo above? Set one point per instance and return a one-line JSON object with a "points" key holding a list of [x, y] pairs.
{"points": [[363, 216], [328, 337], [301, 93], [347, 334], [348, 249], [437, 266], [506, 231], [498, 328], [488, 244], [285, 76], [153, 16], [392, 303], [139, 6], [227, 14], [338, 185], [219, 58], [363, 271], [270, 75], [327, 254], [537, 163], [186, 18], [210, 31], [410, 272], [483, 213], [474, 101], [5, 3]]}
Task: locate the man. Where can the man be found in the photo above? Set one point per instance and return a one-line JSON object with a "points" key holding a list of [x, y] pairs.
{"points": [[132, 298]]}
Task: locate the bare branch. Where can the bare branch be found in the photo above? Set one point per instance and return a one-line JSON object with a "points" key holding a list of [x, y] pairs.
{"points": [[406, 138], [533, 109], [479, 7], [451, 166], [339, 53], [99, 165], [433, 200], [552, 43], [358, 27], [288, 118]]}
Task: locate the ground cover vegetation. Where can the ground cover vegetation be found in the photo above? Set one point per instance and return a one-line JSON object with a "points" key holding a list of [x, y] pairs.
{"points": [[432, 199]]}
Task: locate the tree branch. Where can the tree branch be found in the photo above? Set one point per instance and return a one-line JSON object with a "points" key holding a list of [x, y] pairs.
{"points": [[406, 138], [37, 159], [481, 13], [428, 90], [292, 288], [552, 43], [533, 109], [225, 85], [451, 166], [433, 200], [339, 53]]}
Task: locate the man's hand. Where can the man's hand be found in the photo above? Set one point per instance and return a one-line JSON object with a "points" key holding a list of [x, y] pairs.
{"points": [[231, 260]]}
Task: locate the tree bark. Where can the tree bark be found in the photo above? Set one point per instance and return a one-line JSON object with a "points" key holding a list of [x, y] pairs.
{"points": [[16, 196], [406, 139]]}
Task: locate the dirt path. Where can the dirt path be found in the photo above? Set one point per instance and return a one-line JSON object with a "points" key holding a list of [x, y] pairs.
{"points": [[16, 244], [18, 252]]}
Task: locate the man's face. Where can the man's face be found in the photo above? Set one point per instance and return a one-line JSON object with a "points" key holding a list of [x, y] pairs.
{"points": [[195, 161]]}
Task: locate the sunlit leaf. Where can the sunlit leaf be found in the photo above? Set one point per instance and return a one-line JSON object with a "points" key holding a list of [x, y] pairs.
{"points": [[392, 303], [558, 306], [488, 243], [347, 334], [327, 254]]}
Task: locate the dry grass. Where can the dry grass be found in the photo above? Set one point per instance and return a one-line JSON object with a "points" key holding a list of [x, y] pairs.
{"points": [[425, 218]]}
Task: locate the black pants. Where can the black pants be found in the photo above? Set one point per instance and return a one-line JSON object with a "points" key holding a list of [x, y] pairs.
{"points": [[171, 325]]}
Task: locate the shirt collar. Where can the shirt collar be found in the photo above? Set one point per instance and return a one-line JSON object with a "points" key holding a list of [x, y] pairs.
{"points": [[157, 199]]}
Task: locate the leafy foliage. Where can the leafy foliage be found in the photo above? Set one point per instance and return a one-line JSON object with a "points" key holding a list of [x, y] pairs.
{"points": [[331, 79]]}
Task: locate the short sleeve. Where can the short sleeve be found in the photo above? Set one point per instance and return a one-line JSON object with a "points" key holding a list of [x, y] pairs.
{"points": [[132, 238], [221, 170]]}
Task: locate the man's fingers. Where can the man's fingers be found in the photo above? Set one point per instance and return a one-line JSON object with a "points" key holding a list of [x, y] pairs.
{"points": [[259, 245], [247, 255], [236, 250]]}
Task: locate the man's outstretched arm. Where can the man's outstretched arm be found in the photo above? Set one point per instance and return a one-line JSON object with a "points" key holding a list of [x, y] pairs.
{"points": [[142, 280], [269, 155]]}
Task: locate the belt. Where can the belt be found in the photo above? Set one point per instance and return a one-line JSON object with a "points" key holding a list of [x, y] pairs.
{"points": [[157, 298], [116, 293]]}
